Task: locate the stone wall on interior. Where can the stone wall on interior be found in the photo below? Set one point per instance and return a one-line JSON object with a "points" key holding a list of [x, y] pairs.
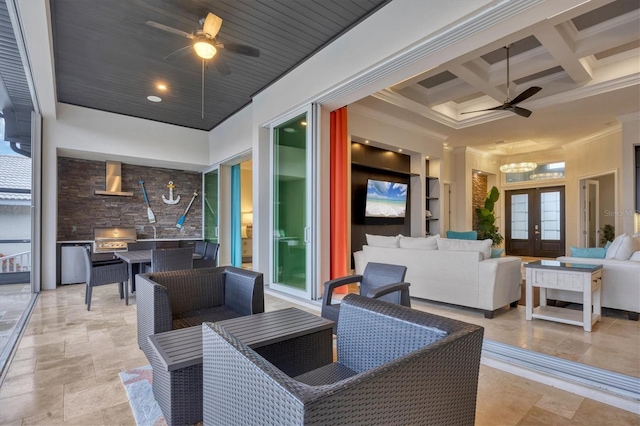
{"points": [[479, 193], [80, 209]]}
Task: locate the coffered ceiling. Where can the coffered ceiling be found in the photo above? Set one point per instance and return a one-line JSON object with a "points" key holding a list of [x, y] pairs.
{"points": [[587, 64]]}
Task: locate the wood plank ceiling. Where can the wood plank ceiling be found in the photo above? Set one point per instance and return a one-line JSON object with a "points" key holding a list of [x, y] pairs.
{"points": [[107, 58]]}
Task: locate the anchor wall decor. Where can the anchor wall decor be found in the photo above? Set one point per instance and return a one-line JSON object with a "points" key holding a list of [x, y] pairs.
{"points": [[170, 200]]}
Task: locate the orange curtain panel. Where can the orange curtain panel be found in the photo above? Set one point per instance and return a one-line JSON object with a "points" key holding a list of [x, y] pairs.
{"points": [[338, 198]]}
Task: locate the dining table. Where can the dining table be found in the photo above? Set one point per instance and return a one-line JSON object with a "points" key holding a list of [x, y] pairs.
{"points": [[134, 258]]}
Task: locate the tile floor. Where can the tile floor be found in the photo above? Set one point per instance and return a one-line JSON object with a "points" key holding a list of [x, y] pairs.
{"points": [[14, 298], [66, 371]]}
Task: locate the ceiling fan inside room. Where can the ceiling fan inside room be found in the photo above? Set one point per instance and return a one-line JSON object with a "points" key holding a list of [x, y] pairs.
{"points": [[510, 105], [205, 43]]}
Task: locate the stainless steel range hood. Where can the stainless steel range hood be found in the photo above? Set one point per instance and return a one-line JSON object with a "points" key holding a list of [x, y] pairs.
{"points": [[114, 180]]}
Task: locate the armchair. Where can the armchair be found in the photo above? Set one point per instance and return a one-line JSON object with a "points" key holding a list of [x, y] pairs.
{"points": [[103, 272], [171, 259], [209, 257], [379, 280], [177, 299], [395, 365]]}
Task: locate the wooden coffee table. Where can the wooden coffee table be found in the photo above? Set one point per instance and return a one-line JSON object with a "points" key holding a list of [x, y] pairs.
{"points": [[583, 278], [293, 340]]}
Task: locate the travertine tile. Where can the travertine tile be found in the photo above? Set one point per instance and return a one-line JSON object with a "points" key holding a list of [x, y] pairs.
{"points": [[32, 403], [81, 398], [596, 413], [57, 418], [24, 366], [537, 416], [118, 415]]}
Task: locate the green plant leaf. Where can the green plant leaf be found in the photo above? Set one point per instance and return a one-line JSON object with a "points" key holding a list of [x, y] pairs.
{"points": [[494, 194]]}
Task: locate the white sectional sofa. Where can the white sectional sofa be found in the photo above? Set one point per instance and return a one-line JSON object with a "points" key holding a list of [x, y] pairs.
{"points": [[620, 277], [620, 284], [466, 278]]}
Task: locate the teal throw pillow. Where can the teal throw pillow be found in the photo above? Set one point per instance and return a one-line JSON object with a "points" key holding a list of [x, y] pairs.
{"points": [[591, 252], [470, 235], [496, 252]]}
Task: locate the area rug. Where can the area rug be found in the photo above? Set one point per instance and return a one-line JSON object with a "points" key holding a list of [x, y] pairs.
{"points": [[137, 383]]}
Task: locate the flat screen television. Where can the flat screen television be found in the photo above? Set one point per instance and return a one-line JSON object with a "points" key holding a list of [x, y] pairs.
{"points": [[386, 199]]}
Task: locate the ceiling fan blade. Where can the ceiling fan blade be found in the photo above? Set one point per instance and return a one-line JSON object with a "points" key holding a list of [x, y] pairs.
{"points": [[221, 65], [177, 53], [525, 95], [241, 49], [212, 24], [520, 111], [169, 29]]}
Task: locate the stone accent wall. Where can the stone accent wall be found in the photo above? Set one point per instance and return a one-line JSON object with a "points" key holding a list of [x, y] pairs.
{"points": [[80, 210], [479, 193]]}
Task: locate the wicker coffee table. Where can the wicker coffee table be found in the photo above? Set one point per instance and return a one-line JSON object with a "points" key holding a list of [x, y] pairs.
{"points": [[293, 340]]}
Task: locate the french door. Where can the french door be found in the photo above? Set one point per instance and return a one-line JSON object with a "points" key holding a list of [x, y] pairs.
{"points": [[293, 201], [535, 222]]}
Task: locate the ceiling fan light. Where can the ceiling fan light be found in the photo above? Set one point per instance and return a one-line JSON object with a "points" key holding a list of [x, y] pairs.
{"points": [[518, 167], [204, 49]]}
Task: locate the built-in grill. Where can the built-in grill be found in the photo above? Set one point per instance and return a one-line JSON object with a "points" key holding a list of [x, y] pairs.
{"points": [[107, 240]]}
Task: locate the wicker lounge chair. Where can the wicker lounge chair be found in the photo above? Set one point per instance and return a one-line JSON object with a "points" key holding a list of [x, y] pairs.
{"points": [[395, 365], [177, 299], [379, 280]]}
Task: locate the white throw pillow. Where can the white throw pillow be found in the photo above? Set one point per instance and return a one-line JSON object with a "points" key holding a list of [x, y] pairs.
{"points": [[382, 240], [622, 247], [635, 256], [428, 243], [483, 246]]}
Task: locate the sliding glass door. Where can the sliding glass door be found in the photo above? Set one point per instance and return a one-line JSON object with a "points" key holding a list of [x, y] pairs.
{"points": [[293, 212], [211, 189]]}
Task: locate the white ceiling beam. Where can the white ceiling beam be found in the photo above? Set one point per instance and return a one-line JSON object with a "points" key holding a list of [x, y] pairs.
{"points": [[556, 42], [476, 74]]}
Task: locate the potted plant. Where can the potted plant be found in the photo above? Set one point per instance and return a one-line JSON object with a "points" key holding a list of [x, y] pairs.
{"points": [[608, 234], [486, 219]]}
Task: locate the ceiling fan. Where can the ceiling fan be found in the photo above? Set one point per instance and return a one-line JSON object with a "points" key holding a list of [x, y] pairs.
{"points": [[205, 42], [510, 105], [206, 45]]}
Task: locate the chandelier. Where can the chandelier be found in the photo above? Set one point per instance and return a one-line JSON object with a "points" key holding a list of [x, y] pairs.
{"points": [[548, 175], [527, 166]]}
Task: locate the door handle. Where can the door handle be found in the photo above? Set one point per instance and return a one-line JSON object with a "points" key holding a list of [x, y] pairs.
{"points": [[307, 234]]}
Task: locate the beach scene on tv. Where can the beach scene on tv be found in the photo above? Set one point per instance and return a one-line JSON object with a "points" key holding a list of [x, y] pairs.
{"points": [[385, 199]]}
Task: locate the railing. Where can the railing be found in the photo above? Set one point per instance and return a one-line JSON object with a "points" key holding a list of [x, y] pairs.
{"points": [[19, 262]]}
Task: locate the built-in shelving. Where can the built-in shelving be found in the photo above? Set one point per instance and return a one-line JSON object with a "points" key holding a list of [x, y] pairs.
{"points": [[384, 169], [432, 202]]}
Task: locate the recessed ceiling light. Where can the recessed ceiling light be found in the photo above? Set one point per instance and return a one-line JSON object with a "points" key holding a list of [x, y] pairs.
{"points": [[304, 123], [400, 150], [154, 98], [161, 86], [288, 130], [427, 157], [366, 141]]}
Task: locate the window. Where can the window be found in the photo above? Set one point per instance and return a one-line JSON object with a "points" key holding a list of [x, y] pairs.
{"points": [[542, 172]]}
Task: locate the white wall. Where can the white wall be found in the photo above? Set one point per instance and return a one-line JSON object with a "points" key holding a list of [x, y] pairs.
{"points": [[232, 137], [630, 138], [597, 156]]}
